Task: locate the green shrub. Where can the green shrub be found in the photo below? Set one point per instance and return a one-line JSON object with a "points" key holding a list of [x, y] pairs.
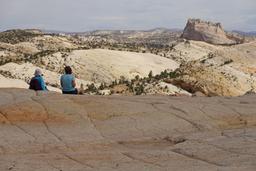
{"points": [[92, 88]]}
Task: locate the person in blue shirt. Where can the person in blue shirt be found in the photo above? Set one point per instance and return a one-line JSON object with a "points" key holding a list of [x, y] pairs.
{"points": [[37, 82], [67, 82]]}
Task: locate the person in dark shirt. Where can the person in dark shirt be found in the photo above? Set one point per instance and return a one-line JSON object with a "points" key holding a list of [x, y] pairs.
{"points": [[37, 82]]}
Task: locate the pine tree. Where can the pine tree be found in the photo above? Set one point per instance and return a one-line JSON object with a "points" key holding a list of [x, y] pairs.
{"points": [[150, 75]]}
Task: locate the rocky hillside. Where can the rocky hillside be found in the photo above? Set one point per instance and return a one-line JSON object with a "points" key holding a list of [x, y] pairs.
{"points": [[158, 36], [52, 52], [216, 70], [16, 36], [57, 132], [105, 66], [120, 61]]}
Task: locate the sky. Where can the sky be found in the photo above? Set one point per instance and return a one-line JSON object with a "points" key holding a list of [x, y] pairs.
{"points": [[85, 15]]}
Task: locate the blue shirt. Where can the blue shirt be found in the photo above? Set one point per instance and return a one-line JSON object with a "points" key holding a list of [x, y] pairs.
{"points": [[40, 82], [66, 82]]}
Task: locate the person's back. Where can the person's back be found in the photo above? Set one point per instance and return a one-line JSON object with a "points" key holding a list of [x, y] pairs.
{"points": [[67, 81], [37, 82]]}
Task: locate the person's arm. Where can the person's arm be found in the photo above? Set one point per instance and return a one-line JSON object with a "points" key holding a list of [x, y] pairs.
{"points": [[61, 81], [42, 83], [73, 83]]}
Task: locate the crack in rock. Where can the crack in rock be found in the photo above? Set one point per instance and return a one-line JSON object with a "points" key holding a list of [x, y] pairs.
{"points": [[91, 121], [191, 156], [195, 125], [48, 128], [140, 160], [245, 122], [18, 127], [201, 109], [77, 161], [225, 149], [136, 126]]}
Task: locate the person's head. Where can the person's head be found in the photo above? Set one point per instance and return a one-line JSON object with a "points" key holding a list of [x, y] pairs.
{"points": [[68, 70], [38, 72]]}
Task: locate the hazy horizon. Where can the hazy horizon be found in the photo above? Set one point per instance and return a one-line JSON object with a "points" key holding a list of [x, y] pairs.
{"points": [[85, 15]]}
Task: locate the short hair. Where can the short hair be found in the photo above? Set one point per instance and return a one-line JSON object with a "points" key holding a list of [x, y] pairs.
{"points": [[68, 70]]}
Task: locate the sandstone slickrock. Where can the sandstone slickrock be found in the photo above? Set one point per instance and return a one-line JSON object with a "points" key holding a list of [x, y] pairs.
{"points": [[49, 131], [226, 70], [209, 32], [216, 70], [101, 65]]}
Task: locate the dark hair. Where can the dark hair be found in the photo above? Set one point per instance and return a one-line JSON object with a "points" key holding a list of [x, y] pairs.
{"points": [[68, 70]]}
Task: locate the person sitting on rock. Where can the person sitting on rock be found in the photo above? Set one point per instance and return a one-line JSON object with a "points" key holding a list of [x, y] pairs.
{"points": [[37, 82], [67, 82]]}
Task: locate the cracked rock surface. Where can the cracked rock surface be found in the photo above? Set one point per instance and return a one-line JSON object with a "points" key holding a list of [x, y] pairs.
{"points": [[53, 132]]}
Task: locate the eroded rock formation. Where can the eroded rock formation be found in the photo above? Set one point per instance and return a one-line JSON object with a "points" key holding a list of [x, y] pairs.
{"points": [[209, 32]]}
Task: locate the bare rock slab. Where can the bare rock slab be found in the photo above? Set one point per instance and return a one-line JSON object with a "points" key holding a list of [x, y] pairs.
{"points": [[50, 131]]}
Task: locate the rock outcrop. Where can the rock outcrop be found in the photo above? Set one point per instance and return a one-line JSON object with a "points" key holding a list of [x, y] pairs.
{"points": [[216, 70], [209, 32], [222, 81], [55, 132]]}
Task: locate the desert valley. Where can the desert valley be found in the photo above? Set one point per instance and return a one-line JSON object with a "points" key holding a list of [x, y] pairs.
{"points": [[161, 99], [203, 58]]}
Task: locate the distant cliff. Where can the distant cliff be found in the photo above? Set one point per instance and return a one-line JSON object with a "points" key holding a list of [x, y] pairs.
{"points": [[209, 32]]}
